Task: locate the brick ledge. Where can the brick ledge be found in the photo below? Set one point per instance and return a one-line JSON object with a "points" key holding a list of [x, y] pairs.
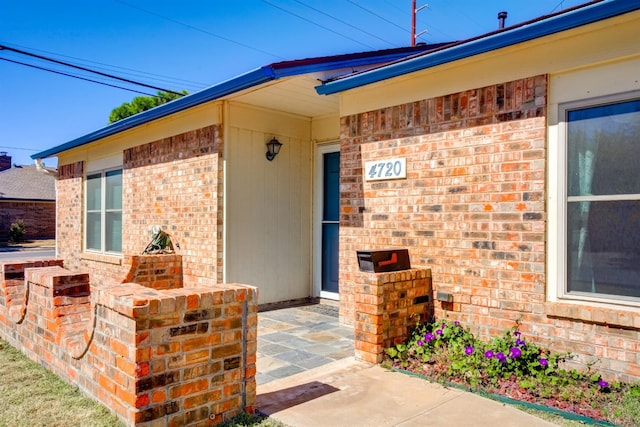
{"points": [[626, 318], [107, 259]]}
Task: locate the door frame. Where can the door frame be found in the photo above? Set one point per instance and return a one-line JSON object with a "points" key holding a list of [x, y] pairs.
{"points": [[318, 206]]}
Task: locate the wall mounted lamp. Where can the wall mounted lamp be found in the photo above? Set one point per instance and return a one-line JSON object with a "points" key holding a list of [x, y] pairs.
{"points": [[273, 148]]}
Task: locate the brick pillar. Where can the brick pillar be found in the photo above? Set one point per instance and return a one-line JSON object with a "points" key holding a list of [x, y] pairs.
{"points": [[388, 305]]}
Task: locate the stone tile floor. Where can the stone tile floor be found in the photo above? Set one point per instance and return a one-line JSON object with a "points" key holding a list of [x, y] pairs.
{"points": [[295, 339]]}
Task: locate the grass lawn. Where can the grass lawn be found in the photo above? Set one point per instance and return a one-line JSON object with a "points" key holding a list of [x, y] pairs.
{"points": [[31, 396]]}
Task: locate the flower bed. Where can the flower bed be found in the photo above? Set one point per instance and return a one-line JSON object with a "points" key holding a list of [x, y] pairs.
{"points": [[511, 366]]}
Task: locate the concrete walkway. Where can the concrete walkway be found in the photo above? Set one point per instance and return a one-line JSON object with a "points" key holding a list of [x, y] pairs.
{"points": [[307, 376], [352, 393]]}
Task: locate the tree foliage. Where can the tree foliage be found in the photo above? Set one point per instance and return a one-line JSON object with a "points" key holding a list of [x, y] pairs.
{"points": [[142, 103]]}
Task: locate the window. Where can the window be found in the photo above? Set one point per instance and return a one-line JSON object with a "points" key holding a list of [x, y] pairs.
{"points": [[103, 219], [602, 210]]}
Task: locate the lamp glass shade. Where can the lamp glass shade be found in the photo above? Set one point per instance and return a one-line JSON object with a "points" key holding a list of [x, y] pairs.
{"points": [[273, 148]]}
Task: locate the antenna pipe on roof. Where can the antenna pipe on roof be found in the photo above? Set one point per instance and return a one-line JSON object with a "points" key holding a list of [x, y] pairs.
{"points": [[502, 16]]}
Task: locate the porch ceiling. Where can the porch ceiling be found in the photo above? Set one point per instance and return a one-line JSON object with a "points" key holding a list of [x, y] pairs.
{"points": [[295, 95]]}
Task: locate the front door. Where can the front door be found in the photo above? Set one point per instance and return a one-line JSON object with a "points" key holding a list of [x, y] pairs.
{"points": [[329, 220]]}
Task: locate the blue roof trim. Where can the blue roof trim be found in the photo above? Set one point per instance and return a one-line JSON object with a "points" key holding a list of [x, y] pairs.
{"points": [[244, 81], [535, 29]]}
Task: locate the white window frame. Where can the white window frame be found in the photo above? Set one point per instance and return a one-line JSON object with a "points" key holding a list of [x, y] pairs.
{"points": [[558, 216], [103, 211]]}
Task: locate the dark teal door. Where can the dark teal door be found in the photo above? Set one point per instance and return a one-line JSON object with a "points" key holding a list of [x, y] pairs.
{"points": [[330, 221]]}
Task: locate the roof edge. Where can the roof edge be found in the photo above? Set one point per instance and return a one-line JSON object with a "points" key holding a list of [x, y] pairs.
{"points": [[244, 81], [530, 30], [241, 82]]}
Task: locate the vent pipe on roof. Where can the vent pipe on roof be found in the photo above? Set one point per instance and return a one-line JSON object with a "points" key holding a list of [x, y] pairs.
{"points": [[502, 16], [40, 168]]}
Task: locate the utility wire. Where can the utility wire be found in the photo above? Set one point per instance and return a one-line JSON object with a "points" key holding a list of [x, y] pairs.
{"points": [[344, 22], [557, 6], [18, 148], [379, 16], [67, 64], [129, 71], [175, 21], [75, 77], [316, 24]]}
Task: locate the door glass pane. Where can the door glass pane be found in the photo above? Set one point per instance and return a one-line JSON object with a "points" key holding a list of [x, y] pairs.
{"points": [[603, 154], [114, 190], [603, 254], [330, 241], [331, 202], [93, 234], [94, 198]]}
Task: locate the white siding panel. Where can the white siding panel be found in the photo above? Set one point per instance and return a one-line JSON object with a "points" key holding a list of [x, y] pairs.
{"points": [[268, 207]]}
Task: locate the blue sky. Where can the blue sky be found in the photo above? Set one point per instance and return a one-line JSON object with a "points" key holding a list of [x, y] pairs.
{"points": [[192, 44]]}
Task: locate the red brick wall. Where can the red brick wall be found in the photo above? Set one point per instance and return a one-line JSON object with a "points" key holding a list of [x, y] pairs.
{"points": [[69, 219], [176, 183], [39, 218], [473, 210], [182, 356]]}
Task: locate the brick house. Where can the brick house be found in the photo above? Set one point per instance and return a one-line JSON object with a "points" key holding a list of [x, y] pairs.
{"points": [[480, 157], [520, 189], [27, 194], [197, 167]]}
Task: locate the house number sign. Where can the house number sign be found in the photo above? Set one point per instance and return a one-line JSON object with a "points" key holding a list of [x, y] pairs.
{"points": [[385, 169]]}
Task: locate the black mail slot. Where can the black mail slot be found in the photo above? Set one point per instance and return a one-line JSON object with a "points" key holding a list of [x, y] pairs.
{"points": [[379, 261]]}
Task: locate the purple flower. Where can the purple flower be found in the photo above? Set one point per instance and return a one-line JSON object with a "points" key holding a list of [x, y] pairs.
{"points": [[457, 323], [517, 333], [544, 362], [428, 337], [515, 352], [444, 325], [603, 383], [468, 350], [501, 357], [419, 343], [439, 332], [520, 343], [488, 354]]}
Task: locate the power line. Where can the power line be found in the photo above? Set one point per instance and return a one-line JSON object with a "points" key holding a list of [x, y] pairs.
{"points": [[18, 148], [199, 29], [316, 24], [560, 4], [343, 22], [67, 64], [73, 76], [128, 71], [379, 16]]}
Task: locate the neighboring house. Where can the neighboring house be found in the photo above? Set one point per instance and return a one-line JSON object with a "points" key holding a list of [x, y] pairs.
{"points": [[27, 194], [511, 162]]}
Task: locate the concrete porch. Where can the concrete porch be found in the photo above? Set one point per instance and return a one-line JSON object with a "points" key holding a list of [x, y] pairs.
{"points": [[292, 340]]}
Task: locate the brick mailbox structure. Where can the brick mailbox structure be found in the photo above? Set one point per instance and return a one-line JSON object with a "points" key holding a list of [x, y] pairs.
{"points": [[163, 355], [387, 306]]}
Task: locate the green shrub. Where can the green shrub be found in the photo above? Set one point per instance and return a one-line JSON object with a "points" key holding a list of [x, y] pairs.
{"points": [[17, 231], [513, 365]]}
